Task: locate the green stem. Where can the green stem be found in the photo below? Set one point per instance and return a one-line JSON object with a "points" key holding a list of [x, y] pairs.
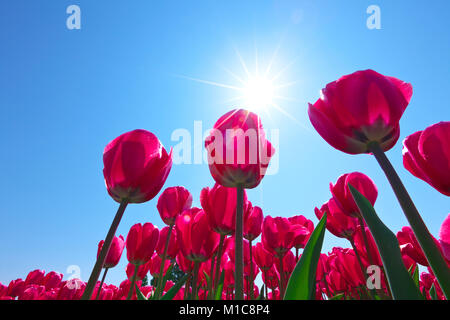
{"points": [[133, 281], [159, 288], [195, 280], [101, 283], [218, 262], [281, 278], [239, 257], [252, 286], [211, 278], [366, 241], [429, 247], [104, 252]]}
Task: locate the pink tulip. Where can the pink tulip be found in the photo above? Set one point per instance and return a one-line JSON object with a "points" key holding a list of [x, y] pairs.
{"points": [[16, 287], [155, 265], [367, 253], [35, 277], [141, 242], [195, 238], [172, 202], [410, 246], [136, 165], [338, 223], [142, 271], [263, 258], [278, 235], [270, 278], [172, 249], [426, 154], [444, 237], [360, 108], [238, 152], [343, 197], [305, 228], [52, 280], [32, 292], [219, 204], [253, 220], [114, 253]]}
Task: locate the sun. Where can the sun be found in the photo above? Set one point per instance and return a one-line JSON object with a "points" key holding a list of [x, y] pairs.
{"points": [[258, 93], [257, 90]]}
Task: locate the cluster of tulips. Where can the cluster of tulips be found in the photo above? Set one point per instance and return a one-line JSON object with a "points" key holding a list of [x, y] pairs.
{"points": [[216, 246]]}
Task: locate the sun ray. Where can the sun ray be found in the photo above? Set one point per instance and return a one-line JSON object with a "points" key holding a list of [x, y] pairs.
{"points": [[213, 83]]}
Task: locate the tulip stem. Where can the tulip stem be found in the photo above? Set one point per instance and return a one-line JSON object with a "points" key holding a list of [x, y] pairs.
{"points": [[281, 278], [133, 281], [239, 257], [218, 262], [101, 283], [265, 287], [104, 252], [429, 247], [252, 286], [195, 280], [159, 288], [366, 242]]}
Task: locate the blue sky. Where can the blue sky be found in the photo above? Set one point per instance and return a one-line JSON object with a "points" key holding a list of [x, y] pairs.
{"points": [[66, 93]]}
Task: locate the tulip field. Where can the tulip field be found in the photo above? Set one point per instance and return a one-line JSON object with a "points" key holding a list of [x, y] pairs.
{"points": [[225, 158], [221, 247]]}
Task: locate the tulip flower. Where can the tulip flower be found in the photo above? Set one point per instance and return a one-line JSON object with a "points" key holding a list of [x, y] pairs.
{"points": [[35, 277], [368, 251], [197, 241], [172, 202], [136, 166], [360, 108], [156, 266], [238, 157], [339, 224], [360, 113], [304, 229], [32, 292], [410, 246], [112, 259], [426, 154], [263, 258], [444, 237], [142, 271], [16, 287], [141, 243], [253, 220], [277, 235], [52, 280]]}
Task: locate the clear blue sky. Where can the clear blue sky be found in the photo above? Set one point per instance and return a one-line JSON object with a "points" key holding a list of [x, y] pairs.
{"points": [[66, 93]]}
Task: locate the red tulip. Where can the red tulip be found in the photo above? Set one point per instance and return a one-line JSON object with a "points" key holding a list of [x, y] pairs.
{"points": [[346, 263], [253, 220], [32, 292], [270, 278], [426, 154], [155, 265], [185, 264], [410, 246], [363, 250], [195, 238], [16, 287], [136, 165], [238, 152], [305, 228], [219, 204], [289, 263], [52, 280], [35, 277], [278, 235], [172, 249], [142, 271], [141, 243], [114, 253], [338, 223], [263, 258], [360, 108], [343, 197], [444, 237], [172, 202]]}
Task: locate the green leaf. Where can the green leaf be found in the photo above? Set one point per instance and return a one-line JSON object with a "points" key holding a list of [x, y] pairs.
{"points": [[401, 283], [139, 294], [339, 296], [302, 283], [174, 290], [433, 293], [261, 294], [218, 294]]}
